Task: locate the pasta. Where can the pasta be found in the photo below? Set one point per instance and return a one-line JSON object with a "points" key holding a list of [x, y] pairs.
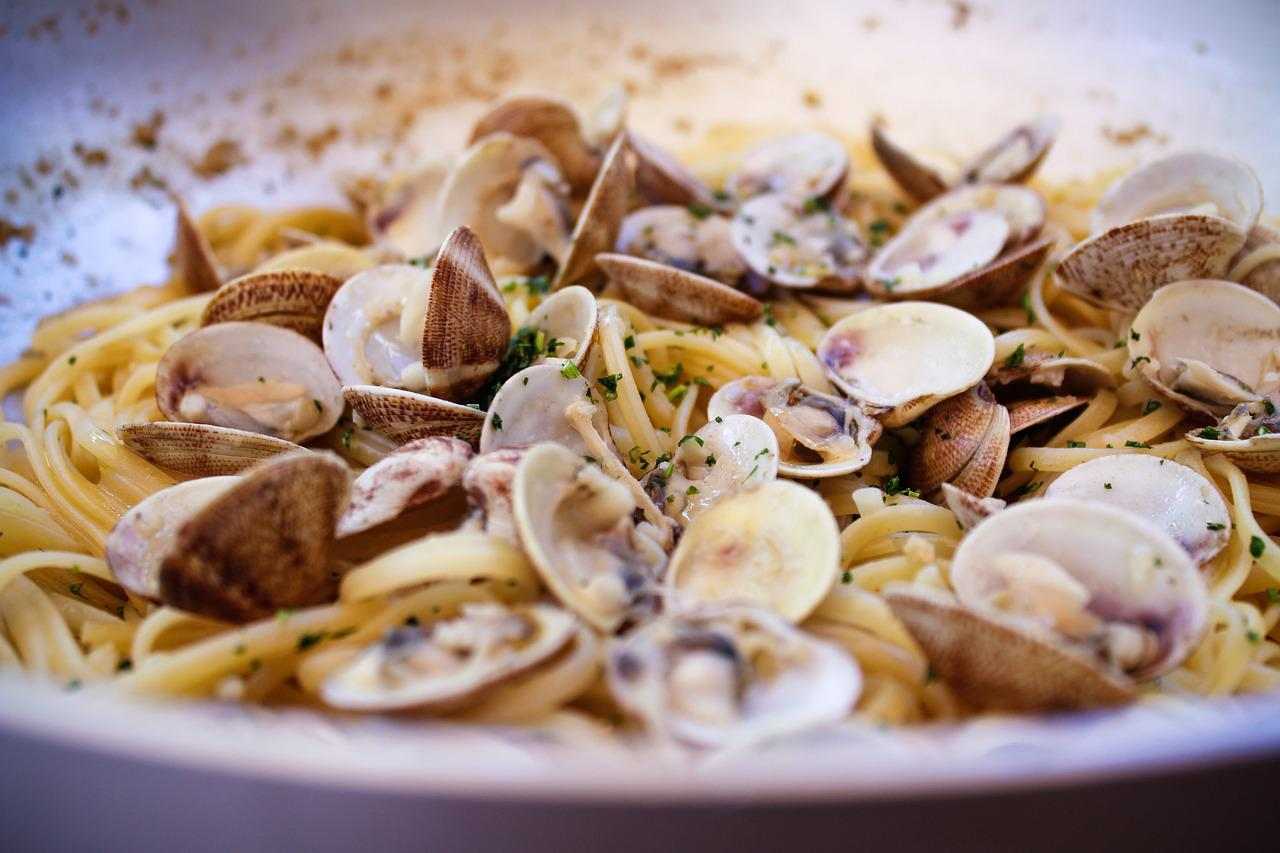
{"points": [[68, 478]]}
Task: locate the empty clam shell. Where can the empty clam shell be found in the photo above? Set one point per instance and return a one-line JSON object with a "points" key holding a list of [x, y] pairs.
{"points": [[554, 124], [794, 243], [568, 317], [373, 328], [1023, 208], [729, 454], [452, 664], [601, 216], [465, 327], [1257, 266], [722, 675], [404, 416], [1061, 373], [953, 434], [690, 239], [576, 526], [194, 260], [402, 214], [916, 178], [1025, 414], [968, 509], [249, 376], [1015, 157], [329, 258], [240, 548], [294, 299], [664, 180], [1124, 265], [678, 295], [1174, 497], [530, 408], [906, 356], [484, 180], [1188, 182], [776, 546], [489, 479], [1209, 345], [799, 166], [200, 450], [818, 435], [1249, 436], [415, 473]]}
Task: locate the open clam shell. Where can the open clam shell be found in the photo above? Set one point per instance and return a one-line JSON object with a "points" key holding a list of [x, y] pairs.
{"points": [[328, 258], [405, 416], [799, 166], [729, 454], [1249, 436], [531, 406], [1016, 156], [793, 243], [818, 435], [488, 480], [678, 295], [417, 472], [576, 526], [969, 510], [1028, 413], [200, 450], [194, 260], [450, 665], [917, 178], [963, 441], [552, 122], [1188, 182], [293, 299], [1043, 370], [1172, 496], [239, 548], [906, 356], [402, 213], [1209, 345], [249, 376], [601, 216], [729, 675], [373, 327], [1257, 266], [569, 317], [775, 546], [690, 239], [662, 179]]}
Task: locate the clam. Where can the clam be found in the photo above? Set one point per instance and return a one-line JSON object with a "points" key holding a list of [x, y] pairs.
{"points": [[489, 479], [1021, 371], [671, 292], [1060, 603], [728, 455], [374, 325], [402, 214], [404, 416], [293, 299], [484, 181], [415, 473], [973, 247], [690, 239], [532, 406], [799, 166], [551, 122], [326, 257], [236, 548], [1257, 266], [447, 666], [775, 546], [1209, 345], [968, 509], [1249, 436], [1012, 159], [1031, 412], [601, 216], [193, 257], [1182, 217], [576, 525], [568, 317], [1172, 496], [818, 435], [796, 243], [249, 376], [963, 441], [906, 356], [200, 450], [663, 180], [729, 675]]}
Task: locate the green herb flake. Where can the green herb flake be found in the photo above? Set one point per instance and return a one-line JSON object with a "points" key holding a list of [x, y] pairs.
{"points": [[1151, 406], [692, 490], [1140, 444], [1210, 433], [283, 613], [1026, 306], [71, 360], [570, 371], [319, 406], [816, 204], [1273, 595], [1138, 361], [345, 438], [1254, 636], [691, 437], [1015, 358], [124, 665], [1106, 486], [699, 211], [497, 422], [1075, 444], [1134, 336], [610, 385], [847, 577], [1215, 525], [710, 461], [629, 341], [782, 238], [308, 640], [77, 589], [1256, 547], [676, 394]]}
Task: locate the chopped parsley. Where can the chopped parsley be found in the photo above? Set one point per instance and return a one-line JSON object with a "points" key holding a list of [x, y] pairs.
{"points": [[1254, 636], [676, 394], [769, 319], [1141, 444], [1075, 444], [670, 378], [691, 437], [816, 204], [629, 341], [1210, 433], [1106, 486], [71, 360], [692, 490], [710, 461], [699, 211], [1138, 361], [1256, 546], [1015, 358], [526, 346], [1215, 525], [1026, 306], [319, 406], [77, 589], [570, 371], [345, 437], [1134, 336], [308, 640], [1151, 406], [847, 577], [422, 261], [1273, 594], [1269, 407], [782, 238], [497, 421], [610, 385]]}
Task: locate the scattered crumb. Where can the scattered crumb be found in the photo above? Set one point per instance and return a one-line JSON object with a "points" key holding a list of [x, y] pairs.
{"points": [[219, 158], [10, 231], [144, 178], [811, 99], [870, 23], [92, 157], [316, 143], [146, 134], [384, 91], [11, 196], [1132, 135], [681, 124], [44, 166], [960, 13], [68, 259]]}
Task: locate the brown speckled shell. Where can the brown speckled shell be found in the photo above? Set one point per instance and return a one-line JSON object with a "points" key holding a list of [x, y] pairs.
{"points": [[294, 299], [678, 295], [916, 179], [553, 123], [404, 416], [200, 450], [602, 214]]}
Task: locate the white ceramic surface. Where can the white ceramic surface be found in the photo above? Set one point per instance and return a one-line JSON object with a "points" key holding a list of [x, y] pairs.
{"points": [[1192, 73]]}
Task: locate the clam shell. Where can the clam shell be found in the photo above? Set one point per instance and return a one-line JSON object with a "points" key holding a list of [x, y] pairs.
{"points": [[336, 259], [1025, 414], [250, 376], [1061, 373], [200, 450], [402, 214], [1182, 183], [260, 545], [981, 474], [529, 409], [364, 327], [799, 166], [694, 241], [678, 295], [785, 242], [1015, 157], [413, 474], [968, 509], [1123, 266], [465, 328], [745, 453], [570, 314], [916, 178], [1260, 454], [602, 213], [293, 299], [1261, 271], [662, 179], [405, 416], [952, 434], [194, 260], [554, 124]]}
